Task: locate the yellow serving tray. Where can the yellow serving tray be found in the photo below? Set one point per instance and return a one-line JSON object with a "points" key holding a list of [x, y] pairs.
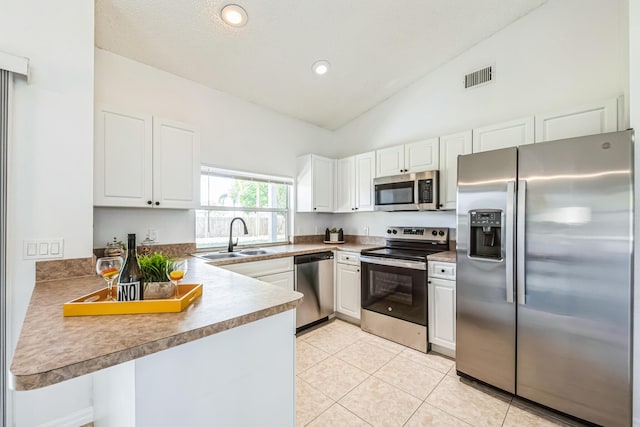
{"points": [[94, 304]]}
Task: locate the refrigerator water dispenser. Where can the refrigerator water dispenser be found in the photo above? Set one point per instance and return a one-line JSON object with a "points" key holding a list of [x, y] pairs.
{"points": [[485, 234]]}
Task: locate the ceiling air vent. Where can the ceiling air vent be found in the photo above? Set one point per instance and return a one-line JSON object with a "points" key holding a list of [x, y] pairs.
{"points": [[479, 77]]}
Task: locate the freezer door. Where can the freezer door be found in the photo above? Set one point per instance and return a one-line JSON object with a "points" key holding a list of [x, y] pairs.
{"points": [[486, 314], [574, 317]]}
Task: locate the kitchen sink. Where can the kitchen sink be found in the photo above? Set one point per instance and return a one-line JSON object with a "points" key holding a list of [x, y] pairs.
{"points": [[254, 252], [216, 256]]}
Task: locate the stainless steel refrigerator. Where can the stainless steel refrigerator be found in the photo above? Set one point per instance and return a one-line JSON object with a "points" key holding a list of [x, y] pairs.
{"points": [[544, 273]]}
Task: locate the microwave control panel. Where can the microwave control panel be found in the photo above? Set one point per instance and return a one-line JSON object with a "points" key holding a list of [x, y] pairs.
{"points": [[425, 191]]}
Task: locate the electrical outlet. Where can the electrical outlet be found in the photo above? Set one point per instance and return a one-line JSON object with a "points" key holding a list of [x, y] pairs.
{"points": [[152, 234], [43, 249], [366, 231]]}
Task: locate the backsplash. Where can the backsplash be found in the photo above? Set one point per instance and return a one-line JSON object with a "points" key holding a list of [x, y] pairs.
{"points": [[361, 240], [65, 268], [174, 250]]}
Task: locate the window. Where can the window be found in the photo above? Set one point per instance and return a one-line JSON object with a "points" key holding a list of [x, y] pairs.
{"points": [[263, 202]]}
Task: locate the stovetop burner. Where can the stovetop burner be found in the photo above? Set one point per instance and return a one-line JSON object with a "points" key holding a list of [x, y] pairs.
{"points": [[412, 243]]}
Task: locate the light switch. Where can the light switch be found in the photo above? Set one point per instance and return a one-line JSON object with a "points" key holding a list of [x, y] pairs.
{"points": [[55, 248], [32, 249], [43, 248]]}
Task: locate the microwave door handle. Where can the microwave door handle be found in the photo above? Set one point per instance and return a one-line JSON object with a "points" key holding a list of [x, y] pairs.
{"points": [[508, 244], [520, 248]]}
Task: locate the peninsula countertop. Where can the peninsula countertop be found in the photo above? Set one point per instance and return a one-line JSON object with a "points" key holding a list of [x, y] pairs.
{"points": [[53, 348]]}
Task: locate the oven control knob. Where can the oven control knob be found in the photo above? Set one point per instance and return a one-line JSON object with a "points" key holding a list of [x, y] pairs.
{"points": [[389, 231], [434, 232], [441, 233], [395, 231]]}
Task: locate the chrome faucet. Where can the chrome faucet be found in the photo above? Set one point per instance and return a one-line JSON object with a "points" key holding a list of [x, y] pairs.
{"points": [[231, 244]]}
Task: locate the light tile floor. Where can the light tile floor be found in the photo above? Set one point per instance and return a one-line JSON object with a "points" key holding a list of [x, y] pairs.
{"points": [[347, 377]]}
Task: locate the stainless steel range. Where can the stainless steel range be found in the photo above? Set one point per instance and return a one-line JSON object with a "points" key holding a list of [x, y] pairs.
{"points": [[394, 284]]}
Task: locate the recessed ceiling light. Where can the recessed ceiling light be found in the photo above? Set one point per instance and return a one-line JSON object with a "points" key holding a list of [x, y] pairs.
{"points": [[234, 15], [321, 67]]}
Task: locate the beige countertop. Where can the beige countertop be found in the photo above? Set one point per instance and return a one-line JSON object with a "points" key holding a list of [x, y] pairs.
{"points": [[53, 348], [449, 256]]}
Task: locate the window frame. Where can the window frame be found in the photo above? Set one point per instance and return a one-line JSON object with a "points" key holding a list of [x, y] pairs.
{"points": [[255, 177]]}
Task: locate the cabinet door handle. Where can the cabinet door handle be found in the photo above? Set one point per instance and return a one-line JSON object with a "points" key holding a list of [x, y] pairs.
{"points": [[157, 203], [149, 202], [429, 281], [314, 209], [442, 271], [358, 271]]}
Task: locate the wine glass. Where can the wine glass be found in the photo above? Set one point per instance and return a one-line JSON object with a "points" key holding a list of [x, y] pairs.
{"points": [[176, 269], [109, 269]]}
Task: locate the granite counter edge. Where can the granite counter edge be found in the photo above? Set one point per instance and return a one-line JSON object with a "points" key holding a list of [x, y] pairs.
{"points": [[42, 379]]}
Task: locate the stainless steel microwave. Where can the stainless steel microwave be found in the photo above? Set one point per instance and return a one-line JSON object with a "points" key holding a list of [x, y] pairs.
{"points": [[407, 192]]}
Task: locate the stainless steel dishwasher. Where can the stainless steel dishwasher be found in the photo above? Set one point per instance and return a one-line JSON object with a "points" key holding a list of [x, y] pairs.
{"points": [[314, 279]]}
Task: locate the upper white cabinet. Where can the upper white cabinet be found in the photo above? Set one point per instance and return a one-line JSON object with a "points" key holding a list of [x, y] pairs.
{"points": [[503, 135], [599, 117], [141, 161], [365, 172], [413, 157], [345, 185], [314, 183], [354, 187], [176, 164], [451, 146], [390, 161]]}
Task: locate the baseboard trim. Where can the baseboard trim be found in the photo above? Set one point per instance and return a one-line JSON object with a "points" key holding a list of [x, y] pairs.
{"points": [[75, 419]]}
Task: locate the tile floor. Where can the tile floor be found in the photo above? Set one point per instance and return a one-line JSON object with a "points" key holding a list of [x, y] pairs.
{"points": [[347, 377]]}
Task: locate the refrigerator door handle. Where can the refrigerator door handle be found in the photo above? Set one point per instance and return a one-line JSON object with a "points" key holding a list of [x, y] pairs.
{"points": [[520, 247], [509, 223]]}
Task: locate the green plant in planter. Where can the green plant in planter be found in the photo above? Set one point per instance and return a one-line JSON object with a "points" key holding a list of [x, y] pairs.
{"points": [[154, 267]]}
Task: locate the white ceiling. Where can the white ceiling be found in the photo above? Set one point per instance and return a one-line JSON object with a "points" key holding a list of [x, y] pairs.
{"points": [[375, 47]]}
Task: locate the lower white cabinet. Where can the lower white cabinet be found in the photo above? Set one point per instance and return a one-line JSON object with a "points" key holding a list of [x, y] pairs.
{"points": [[442, 307], [284, 280], [348, 284], [277, 271]]}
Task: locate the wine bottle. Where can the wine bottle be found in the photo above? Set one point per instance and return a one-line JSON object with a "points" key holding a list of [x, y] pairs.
{"points": [[131, 281]]}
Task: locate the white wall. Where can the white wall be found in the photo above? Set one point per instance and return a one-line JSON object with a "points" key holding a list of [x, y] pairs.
{"points": [[235, 134], [563, 54], [51, 162]]}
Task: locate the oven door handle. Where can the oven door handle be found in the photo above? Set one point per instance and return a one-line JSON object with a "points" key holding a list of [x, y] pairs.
{"points": [[414, 265]]}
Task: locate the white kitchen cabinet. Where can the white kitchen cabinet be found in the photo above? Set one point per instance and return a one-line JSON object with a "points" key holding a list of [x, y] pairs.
{"points": [[442, 307], [422, 155], [451, 146], [503, 135], [284, 280], [143, 161], [416, 156], [314, 183], [365, 172], [345, 184], [176, 164], [597, 117], [261, 268], [354, 186], [348, 284]]}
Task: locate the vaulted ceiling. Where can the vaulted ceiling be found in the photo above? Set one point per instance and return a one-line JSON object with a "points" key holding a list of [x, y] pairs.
{"points": [[374, 47]]}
